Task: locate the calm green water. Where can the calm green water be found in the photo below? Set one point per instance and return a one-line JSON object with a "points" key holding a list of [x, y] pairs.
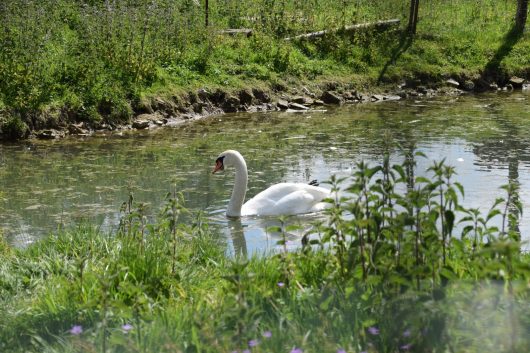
{"points": [[46, 184]]}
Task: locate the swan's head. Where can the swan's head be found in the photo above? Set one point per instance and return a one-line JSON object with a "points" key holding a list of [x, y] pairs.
{"points": [[226, 159]]}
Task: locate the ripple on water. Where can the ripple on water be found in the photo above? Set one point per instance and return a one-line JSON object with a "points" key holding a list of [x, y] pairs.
{"points": [[46, 183]]}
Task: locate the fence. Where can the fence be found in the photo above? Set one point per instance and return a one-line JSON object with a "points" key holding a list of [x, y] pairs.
{"points": [[283, 17], [59, 44], [290, 17]]}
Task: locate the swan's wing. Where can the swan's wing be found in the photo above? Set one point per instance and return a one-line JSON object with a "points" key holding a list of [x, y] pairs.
{"points": [[286, 198], [296, 202], [278, 191], [256, 205]]}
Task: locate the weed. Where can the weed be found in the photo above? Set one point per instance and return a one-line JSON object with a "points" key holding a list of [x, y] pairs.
{"points": [[98, 57], [399, 265]]}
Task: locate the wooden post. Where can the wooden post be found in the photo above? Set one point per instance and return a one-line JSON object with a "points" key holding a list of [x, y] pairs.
{"points": [[206, 12], [521, 15], [413, 16], [416, 15]]}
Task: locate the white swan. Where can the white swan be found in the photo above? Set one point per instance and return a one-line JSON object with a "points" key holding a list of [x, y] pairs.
{"points": [[279, 199]]}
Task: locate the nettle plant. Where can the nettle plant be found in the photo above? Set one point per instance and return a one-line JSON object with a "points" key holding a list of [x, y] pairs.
{"points": [[389, 227]]}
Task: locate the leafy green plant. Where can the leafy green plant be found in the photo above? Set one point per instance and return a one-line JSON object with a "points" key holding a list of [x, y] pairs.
{"points": [[13, 128], [92, 60], [397, 265]]}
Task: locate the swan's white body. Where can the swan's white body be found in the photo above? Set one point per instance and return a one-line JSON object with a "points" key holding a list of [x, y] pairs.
{"points": [[286, 199], [279, 199]]}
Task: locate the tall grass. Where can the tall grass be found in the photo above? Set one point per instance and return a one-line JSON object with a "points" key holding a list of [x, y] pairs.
{"points": [[69, 60], [398, 266]]}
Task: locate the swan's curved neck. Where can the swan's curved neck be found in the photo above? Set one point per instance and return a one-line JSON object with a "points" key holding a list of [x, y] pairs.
{"points": [[240, 188]]}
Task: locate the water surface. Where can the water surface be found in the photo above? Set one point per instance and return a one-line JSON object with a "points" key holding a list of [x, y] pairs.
{"points": [[46, 184]]}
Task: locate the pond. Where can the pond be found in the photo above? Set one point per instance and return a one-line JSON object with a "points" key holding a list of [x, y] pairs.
{"points": [[47, 184]]}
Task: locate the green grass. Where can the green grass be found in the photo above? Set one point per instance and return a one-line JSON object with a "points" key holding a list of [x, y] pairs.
{"points": [[92, 62], [398, 276]]}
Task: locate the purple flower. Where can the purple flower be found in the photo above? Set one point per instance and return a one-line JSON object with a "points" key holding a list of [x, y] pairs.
{"points": [[127, 327], [297, 350], [341, 350], [76, 330], [267, 334], [406, 333], [281, 284], [406, 347], [253, 343], [373, 330], [246, 351]]}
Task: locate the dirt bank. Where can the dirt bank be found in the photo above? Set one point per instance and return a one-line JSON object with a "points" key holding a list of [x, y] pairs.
{"points": [[159, 112]]}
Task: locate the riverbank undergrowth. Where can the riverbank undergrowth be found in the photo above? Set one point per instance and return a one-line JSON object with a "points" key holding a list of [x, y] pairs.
{"points": [[398, 266], [99, 61]]}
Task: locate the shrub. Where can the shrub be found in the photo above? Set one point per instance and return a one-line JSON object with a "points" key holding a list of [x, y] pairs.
{"points": [[13, 128]]}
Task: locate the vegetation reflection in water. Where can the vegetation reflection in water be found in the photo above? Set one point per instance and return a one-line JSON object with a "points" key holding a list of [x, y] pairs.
{"points": [[46, 184], [396, 277]]}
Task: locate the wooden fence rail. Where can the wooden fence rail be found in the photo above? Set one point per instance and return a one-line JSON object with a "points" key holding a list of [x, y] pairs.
{"points": [[348, 29]]}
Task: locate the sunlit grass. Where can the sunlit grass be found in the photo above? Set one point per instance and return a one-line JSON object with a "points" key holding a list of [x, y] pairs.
{"points": [[97, 60], [399, 275]]}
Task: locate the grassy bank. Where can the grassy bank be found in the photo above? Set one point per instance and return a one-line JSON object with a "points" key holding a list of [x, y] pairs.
{"points": [[70, 61], [412, 271]]}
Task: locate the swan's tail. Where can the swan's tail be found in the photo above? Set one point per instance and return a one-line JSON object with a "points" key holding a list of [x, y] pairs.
{"points": [[314, 182]]}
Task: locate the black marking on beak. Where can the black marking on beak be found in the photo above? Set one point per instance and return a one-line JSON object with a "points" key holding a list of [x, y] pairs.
{"points": [[219, 164]]}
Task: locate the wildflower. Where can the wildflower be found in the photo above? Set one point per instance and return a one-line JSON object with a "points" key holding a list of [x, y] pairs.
{"points": [[267, 334], [253, 343], [297, 350], [406, 347], [406, 333], [246, 351], [127, 327], [281, 284], [341, 350], [373, 330], [76, 330]]}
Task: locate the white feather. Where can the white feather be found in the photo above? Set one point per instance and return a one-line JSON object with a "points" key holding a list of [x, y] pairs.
{"points": [[279, 199], [286, 199]]}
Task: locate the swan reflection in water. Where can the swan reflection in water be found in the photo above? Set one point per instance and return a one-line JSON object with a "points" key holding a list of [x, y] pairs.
{"points": [[260, 236], [238, 237]]}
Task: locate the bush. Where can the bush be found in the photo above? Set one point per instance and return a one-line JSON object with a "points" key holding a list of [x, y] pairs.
{"points": [[13, 128]]}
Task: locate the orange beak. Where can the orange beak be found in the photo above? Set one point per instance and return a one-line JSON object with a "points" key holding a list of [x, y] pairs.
{"points": [[218, 166]]}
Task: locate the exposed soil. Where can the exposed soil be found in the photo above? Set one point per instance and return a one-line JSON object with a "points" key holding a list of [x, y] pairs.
{"points": [[159, 112]]}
